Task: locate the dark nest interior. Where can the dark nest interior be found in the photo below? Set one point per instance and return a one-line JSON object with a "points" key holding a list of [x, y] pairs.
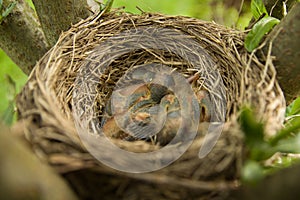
{"points": [[74, 82]]}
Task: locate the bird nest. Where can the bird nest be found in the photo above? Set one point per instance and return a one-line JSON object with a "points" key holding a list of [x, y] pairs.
{"points": [[146, 106]]}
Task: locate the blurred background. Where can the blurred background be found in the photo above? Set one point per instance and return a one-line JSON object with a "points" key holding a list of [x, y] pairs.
{"points": [[231, 13]]}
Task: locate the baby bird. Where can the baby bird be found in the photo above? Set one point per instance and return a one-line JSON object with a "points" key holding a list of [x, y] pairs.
{"points": [[141, 110]]}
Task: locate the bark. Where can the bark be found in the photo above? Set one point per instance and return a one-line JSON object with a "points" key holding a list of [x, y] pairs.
{"points": [[21, 36], [285, 39], [23, 176], [58, 15]]}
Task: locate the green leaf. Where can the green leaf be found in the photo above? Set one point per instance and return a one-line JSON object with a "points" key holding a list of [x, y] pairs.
{"points": [[11, 87], [8, 115], [252, 172], [289, 145], [259, 149], [9, 9], [258, 8], [291, 127], [258, 31], [253, 130], [293, 108]]}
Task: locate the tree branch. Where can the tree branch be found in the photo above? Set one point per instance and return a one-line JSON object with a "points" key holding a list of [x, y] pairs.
{"points": [[285, 38], [58, 15], [21, 36], [23, 176]]}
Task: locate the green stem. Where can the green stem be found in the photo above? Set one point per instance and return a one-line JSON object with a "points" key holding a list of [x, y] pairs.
{"points": [[294, 126]]}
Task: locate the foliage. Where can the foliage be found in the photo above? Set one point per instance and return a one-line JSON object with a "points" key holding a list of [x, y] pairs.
{"points": [[252, 172], [201, 9], [264, 24], [258, 8], [11, 81], [258, 31], [293, 109], [259, 149], [286, 142], [171, 7], [292, 125]]}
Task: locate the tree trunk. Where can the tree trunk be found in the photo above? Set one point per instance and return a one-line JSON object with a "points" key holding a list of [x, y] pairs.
{"points": [[58, 15], [25, 40], [285, 40], [21, 36]]}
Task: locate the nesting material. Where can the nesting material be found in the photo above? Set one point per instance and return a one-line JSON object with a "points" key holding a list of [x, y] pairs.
{"points": [[47, 102]]}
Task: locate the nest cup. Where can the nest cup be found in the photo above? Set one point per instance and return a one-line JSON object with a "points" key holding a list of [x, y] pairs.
{"points": [[87, 54]]}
